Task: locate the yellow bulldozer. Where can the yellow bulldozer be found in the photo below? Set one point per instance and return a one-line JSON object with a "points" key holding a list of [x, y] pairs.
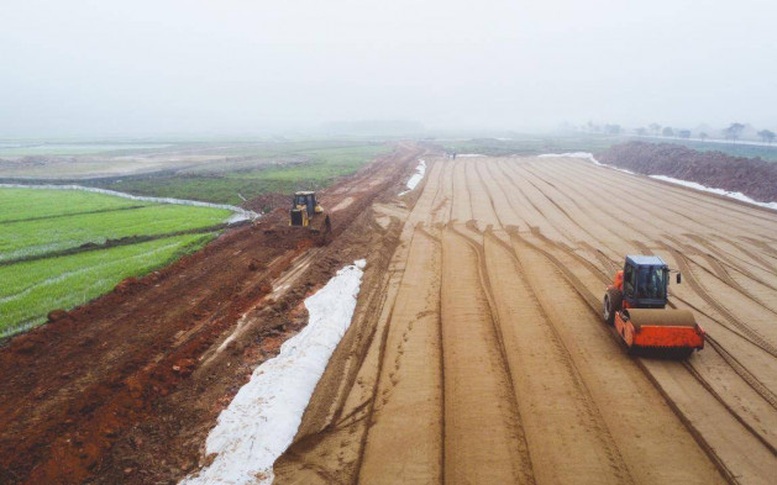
{"points": [[304, 209]]}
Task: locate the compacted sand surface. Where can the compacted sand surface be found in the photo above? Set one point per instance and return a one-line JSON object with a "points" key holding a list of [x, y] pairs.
{"points": [[481, 355]]}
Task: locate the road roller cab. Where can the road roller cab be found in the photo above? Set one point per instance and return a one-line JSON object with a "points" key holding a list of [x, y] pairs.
{"points": [[635, 304]]}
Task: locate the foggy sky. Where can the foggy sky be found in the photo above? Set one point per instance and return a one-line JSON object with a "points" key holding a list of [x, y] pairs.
{"points": [[89, 67]]}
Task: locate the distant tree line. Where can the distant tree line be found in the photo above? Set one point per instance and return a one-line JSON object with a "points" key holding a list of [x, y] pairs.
{"points": [[733, 132], [767, 135]]}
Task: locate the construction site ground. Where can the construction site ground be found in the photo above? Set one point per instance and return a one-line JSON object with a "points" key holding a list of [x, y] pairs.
{"points": [[477, 353]]}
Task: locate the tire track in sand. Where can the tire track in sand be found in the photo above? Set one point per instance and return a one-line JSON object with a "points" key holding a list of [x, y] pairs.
{"points": [[522, 380], [409, 392], [568, 437], [712, 422], [736, 365], [479, 401], [753, 335]]}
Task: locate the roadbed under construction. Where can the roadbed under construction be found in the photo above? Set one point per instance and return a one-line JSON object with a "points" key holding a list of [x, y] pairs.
{"points": [[477, 353]]}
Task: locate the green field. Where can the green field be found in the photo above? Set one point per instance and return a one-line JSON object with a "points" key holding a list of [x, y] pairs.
{"points": [[53, 252], [533, 144], [282, 168], [32, 237], [24, 204], [59, 249], [594, 143]]}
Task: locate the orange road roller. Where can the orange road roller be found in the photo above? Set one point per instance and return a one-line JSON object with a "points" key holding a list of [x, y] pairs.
{"points": [[635, 304]]}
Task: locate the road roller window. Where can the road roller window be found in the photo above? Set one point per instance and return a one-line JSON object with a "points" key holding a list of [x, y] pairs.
{"points": [[651, 282], [658, 281], [642, 277], [629, 280]]}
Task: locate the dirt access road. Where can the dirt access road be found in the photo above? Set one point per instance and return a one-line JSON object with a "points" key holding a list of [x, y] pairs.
{"points": [[481, 355], [125, 388]]}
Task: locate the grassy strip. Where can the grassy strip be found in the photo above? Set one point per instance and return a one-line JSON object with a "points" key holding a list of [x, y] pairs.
{"points": [[21, 204], [35, 237], [533, 145], [59, 216], [314, 169], [110, 243], [31, 289]]}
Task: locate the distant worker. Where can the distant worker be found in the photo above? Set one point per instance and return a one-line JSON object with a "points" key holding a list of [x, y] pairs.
{"points": [[328, 223], [454, 155]]}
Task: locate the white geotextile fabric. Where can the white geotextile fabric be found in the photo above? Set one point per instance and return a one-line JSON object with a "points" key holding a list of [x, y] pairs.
{"points": [[413, 182], [264, 416]]}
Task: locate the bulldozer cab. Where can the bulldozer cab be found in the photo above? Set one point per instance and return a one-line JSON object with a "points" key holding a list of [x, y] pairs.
{"points": [[303, 207], [645, 280], [306, 200]]}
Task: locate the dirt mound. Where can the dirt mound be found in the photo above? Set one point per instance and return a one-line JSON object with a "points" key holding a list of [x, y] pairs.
{"points": [[268, 202], [753, 177]]}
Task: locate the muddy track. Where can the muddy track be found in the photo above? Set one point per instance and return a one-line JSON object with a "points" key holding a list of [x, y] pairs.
{"points": [[125, 388]]}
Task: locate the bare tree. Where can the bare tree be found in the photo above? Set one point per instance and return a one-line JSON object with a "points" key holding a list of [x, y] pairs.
{"points": [[655, 128], [733, 131], [641, 131], [667, 131], [703, 136], [767, 135]]}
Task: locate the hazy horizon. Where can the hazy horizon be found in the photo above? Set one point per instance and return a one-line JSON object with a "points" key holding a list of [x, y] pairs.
{"points": [[236, 67]]}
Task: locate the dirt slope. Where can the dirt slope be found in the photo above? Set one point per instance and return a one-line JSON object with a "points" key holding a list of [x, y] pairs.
{"points": [[124, 389], [753, 177], [480, 355]]}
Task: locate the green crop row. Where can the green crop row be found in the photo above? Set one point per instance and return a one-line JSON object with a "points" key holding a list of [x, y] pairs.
{"points": [[20, 204], [40, 236], [43, 223], [323, 166], [29, 290]]}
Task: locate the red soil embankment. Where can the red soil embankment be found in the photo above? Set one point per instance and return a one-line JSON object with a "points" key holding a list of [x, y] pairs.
{"points": [[753, 177]]}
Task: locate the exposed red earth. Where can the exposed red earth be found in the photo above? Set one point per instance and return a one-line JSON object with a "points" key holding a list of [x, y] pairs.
{"points": [[126, 387], [755, 178]]}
